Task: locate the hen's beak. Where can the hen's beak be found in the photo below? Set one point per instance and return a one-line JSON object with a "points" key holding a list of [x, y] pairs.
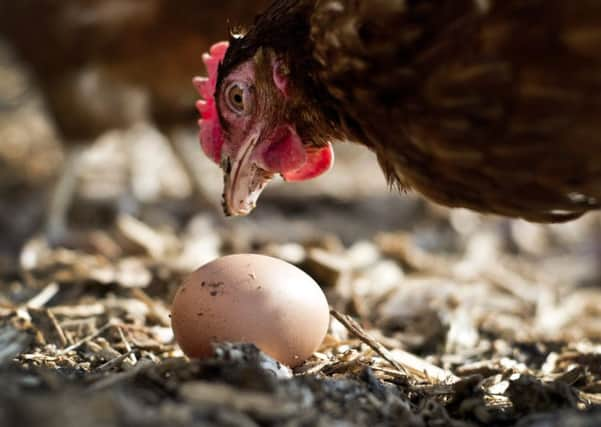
{"points": [[243, 180]]}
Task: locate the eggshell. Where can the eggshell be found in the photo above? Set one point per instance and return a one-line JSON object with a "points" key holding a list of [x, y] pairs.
{"points": [[251, 298]]}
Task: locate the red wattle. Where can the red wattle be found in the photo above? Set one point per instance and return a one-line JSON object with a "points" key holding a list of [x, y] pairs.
{"points": [[288, 156], [319, 161], [286, 153]]}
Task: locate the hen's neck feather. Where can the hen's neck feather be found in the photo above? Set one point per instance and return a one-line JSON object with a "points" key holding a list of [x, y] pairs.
{"points": [[283, 27]]}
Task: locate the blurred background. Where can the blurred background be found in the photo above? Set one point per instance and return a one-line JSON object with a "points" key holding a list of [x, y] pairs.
{"points": [[89, 89], [98, 143]]}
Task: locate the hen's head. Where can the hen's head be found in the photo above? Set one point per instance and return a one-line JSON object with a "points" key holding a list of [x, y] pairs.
{"points": [[258, 119]]}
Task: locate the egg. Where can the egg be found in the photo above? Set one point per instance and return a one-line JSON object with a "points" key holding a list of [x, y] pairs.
{"points": [[252, 299]]}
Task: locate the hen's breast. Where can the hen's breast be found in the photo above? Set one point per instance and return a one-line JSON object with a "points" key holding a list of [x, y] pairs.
{"points": [[490, 105]]}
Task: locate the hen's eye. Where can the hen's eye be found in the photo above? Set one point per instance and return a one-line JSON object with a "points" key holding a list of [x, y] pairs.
{"points": [[236, 98]]}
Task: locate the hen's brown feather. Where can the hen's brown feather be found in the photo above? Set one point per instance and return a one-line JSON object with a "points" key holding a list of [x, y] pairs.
{"points": [[489, 105], [493, 105]]}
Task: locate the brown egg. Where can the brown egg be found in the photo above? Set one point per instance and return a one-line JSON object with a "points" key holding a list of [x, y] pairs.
{"points": [[253, 299]]}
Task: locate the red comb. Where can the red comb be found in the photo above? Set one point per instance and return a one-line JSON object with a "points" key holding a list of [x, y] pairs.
{"points": [[211, 137]]}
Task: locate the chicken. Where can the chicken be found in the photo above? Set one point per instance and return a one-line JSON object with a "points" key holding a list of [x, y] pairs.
{"points": [[492, 105]]}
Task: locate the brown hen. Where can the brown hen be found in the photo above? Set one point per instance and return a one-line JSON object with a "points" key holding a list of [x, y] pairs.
{"points": [[492, 105]]}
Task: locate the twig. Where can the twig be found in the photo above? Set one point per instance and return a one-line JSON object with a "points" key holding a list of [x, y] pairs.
{"points": [[88, 338], [358, 331], [423, 369], [127, 346], [113, 362], [156, 310], [57, 327], [42, 298], [401, 360], [143, 235]]}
